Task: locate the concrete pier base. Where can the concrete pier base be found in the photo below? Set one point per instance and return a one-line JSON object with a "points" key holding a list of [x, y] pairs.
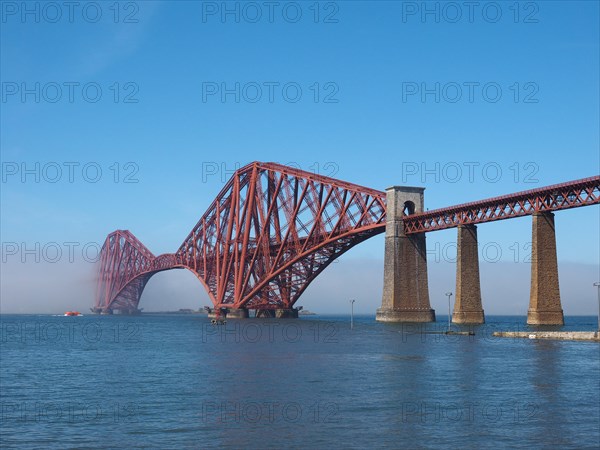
{"points": [[232, 313], [286, 313], [467, 307], [405, 315], [265, 313], [291, 313], [468, 317], [405, 287], [545, 317], [544, 301], [126, 311]]}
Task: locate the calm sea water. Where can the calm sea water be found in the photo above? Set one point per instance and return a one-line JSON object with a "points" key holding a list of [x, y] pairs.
{"points": [[164, 381]]}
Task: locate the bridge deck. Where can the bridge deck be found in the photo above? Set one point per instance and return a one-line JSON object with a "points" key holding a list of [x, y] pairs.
{"points": [[572, 194]]}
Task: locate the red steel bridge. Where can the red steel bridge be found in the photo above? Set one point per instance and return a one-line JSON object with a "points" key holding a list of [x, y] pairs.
{"points": [[273, 229]]}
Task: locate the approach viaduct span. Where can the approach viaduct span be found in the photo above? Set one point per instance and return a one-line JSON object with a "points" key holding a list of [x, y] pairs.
{"points": [[272, 229]]}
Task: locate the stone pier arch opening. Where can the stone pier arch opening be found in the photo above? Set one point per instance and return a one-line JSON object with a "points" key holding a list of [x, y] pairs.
{"points": [[409, 208]]}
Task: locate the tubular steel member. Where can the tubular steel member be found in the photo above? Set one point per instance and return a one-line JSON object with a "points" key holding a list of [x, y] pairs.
{"points": [[271, 230], [125, 267], [122, 273]]}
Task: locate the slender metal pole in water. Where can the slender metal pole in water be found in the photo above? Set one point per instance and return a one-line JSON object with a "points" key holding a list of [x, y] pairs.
{"points": [[352, 314], [449, 294], [597, 284]]}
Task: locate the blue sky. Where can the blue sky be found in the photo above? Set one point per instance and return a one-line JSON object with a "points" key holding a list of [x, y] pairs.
{"points": [[368, 125]]}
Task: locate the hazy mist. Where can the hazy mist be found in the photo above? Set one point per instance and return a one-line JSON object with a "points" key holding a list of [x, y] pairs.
{"points": [[54, 288]]}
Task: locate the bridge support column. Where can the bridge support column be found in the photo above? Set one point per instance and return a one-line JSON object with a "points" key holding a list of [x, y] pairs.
{"points": [[544, 300], [405, 287], [467, 307]]}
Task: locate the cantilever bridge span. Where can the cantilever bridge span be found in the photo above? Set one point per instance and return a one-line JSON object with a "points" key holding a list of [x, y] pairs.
{"points": [[272, 229]]}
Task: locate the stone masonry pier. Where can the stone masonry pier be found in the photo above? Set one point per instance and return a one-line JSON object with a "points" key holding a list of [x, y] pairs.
{"points": [[405, 286], [467, 306], [544, 299]]}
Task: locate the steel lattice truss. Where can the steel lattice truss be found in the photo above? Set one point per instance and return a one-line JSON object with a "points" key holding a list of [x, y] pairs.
{"points": [[573, 194], [123, 271], [273, 229], [268, 234]]}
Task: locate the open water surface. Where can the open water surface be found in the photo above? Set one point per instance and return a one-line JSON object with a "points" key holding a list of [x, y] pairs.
{"points": [[176, 381]]}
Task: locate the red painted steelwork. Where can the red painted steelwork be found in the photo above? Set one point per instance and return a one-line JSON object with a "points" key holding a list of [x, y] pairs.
{"points": [[573, 194], [272, 229]]}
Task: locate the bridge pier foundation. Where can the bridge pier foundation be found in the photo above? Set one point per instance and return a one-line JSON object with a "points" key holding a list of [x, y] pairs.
{"points": [[291, 313], [232, 313], [467, 307], [281, 313], [265, 313], [544, 300], [405, 285]]}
